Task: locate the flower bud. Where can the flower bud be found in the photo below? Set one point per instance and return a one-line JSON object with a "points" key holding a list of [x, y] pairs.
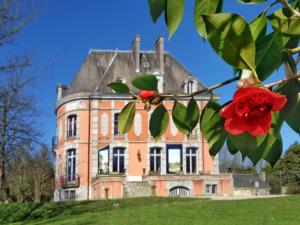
{"points": [[146, 94]]}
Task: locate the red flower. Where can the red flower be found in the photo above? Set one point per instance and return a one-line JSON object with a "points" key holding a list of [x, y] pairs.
{"points": [[146, 94], [250, 110]]}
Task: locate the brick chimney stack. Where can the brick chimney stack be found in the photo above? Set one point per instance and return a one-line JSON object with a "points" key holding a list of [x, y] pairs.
{"points": [[136, 47], [159, 51]]}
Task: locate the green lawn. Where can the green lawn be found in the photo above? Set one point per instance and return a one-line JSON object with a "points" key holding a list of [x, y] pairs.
{"points": [[157, 211]]}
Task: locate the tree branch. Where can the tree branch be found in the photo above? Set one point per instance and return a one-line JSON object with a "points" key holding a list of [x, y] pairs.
{"points": [[283, 81], [289, 7], [294, 50], [205, 90]]}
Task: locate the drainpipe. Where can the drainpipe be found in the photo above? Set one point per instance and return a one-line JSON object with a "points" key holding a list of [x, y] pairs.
{"points": [[89, 148]]}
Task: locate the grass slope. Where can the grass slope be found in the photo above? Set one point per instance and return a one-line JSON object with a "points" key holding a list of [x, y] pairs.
{"points": [[157, 211]]}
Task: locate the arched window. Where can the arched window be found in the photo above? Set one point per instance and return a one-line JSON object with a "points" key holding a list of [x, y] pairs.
{"points": [[72, 126], [179, 191]]}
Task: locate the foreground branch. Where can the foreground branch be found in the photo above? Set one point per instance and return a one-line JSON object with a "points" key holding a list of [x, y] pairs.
{"points": [[289, 7], [283, 81]]}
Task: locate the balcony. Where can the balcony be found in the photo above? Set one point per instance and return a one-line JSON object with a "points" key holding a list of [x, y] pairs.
{"points": [[69, 182], [54, 143]]}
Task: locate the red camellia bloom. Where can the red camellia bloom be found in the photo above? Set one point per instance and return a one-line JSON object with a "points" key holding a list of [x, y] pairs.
{"points": [[251, 110], [146, 94]]}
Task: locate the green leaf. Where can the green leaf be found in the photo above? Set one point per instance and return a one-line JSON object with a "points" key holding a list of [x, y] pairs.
{"points": [[146, 82], [290, 64], [220, 6], [212, 127], [193, 114], [269, 54], [174, 14], [157, 7], [272, 148], [293, 119], [119, 87], [251, 1], [159, 121], [245, 142], [231, 38], [290, 90], [179, 116], [258, 27], [204, 7], [126, 118], [231, 148], [284, 24]]}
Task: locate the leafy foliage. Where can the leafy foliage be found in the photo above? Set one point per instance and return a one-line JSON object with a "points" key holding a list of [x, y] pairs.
{"points": [[126, 118], [119, 87], [159, 121], [146, 82]]}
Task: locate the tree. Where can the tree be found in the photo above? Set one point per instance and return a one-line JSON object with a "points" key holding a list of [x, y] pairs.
{"points": [[18, 115], [251, 123], [31, 175]]}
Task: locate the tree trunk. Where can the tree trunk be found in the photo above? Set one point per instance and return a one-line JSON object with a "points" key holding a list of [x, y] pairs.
{"points": [[2, 181]]}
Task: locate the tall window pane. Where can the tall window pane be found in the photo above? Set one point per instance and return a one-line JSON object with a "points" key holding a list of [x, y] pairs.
{"points": [[174, 158], [191, 160], [72, 126], [103, 161], [116, 120], [71, 164], [155, 157], [119, 160]]}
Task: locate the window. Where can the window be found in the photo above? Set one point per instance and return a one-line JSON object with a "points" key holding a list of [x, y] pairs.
{"points": [[71, 165], [191, 160], [214, 189], [71, 126], [207, 188], [116, 121], [174, 158], [179, 191], [190, 86], [155, 159], [103, 162], [119, 160], [70, 195]]}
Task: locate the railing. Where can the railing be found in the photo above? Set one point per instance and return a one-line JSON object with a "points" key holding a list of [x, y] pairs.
{"points": [[67, 181]]}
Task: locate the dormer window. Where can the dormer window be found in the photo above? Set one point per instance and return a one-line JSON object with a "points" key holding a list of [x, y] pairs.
{"points": [[72, 126], [190, 86]]}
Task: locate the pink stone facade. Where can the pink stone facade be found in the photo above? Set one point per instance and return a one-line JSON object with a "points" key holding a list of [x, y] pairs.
{"points": [[93, 161]]}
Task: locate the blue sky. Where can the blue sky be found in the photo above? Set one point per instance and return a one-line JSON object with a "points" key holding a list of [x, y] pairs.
{"points": [[65, 30]]}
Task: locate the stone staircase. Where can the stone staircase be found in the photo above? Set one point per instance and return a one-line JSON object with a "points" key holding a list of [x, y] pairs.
{"points": [[137, 189]]}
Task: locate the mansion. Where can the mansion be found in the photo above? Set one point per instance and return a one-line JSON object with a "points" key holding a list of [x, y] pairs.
{"points": [[95, 161]]}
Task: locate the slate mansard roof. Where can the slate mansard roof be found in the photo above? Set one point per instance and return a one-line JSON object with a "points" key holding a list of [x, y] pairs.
{"points": [[102, 67]]}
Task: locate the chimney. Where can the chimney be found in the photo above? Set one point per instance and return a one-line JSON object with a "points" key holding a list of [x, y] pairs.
{"points": [[136, 45], [60, 91], [159, 51]]}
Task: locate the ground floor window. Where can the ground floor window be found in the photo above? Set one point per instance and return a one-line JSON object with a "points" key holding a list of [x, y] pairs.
{"points": [[174, 158], [179, 191], [70, 195], [211, 188], [103, 160], [119, 159]]}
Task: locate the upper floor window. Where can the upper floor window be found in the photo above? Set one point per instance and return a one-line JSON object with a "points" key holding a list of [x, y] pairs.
{"points": [[103, 160], [119, 160], [155, 159], [116, 121], [72, 126], [71, 165], [191, 160]]}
